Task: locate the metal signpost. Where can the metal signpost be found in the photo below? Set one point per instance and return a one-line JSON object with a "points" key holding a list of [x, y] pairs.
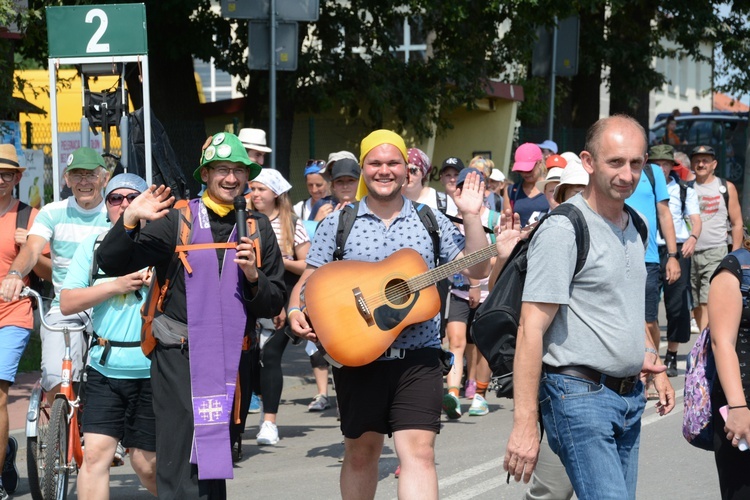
{"points": [[97, 34], [281, 51]]}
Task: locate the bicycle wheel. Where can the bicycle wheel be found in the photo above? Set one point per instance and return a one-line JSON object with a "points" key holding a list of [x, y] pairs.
{"points": [[35, 448], [54, 481]]}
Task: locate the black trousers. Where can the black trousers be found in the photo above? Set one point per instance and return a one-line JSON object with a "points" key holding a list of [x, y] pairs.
{"points": [[676, 298], [176, 477]]}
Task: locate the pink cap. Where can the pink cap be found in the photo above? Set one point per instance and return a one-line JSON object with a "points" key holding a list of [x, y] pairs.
{"points": [[526, 157]]}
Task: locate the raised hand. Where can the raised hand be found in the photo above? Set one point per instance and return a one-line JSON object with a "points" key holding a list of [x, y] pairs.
{"points": [[152, 204], [470, 196]]}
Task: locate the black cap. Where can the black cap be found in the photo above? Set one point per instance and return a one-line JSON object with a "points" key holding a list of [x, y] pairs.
{"points": [[345, 167], [452, 162], [703, 150]]}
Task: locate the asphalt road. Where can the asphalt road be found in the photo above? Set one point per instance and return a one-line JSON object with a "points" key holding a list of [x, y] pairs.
{"points": [[305, 463]]}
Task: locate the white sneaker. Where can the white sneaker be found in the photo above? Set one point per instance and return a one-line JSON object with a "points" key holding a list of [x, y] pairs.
{"points": [[319, 403], [268, 434], [478, 407], [694, 326]]}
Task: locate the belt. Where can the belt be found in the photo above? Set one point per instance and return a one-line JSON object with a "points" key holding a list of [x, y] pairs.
{"points": [[621, 385]]}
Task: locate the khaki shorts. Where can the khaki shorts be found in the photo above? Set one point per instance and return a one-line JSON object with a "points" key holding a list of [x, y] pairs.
{"points": [[702, 267], [53, 348]]}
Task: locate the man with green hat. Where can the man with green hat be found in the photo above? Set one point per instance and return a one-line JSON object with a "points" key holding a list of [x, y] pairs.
{"points": [[63, 225], [215, 288], [683, 205]]}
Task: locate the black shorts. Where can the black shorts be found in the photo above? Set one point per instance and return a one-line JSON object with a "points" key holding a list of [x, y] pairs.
{"points": [[460, 312], [121, 408], [391, 395]]}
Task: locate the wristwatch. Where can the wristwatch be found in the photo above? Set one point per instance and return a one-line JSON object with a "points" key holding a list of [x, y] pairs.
{"points": [[14, 273], [676, 255]]}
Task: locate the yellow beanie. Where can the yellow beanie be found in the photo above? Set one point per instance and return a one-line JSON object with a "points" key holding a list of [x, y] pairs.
{"points": [[369, 143]]}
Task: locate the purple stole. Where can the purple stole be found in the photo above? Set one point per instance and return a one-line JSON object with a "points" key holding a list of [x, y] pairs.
{"points": [[216, 324]]}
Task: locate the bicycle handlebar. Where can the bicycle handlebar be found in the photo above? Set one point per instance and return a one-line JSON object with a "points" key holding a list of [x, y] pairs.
{"points": [[34, 295]]}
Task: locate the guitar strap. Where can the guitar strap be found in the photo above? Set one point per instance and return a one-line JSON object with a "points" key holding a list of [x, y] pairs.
{"points": [[349, 214]]}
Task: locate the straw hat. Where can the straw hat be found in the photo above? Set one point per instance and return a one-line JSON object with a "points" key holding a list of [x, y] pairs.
{"points": [[9, 158]]}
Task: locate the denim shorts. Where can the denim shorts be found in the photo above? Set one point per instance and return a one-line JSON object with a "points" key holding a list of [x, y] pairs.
{"points": [[120, 408], [13, 341]]}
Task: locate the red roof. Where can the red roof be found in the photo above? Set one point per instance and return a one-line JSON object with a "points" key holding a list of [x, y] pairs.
{"points": [[723, 102]]}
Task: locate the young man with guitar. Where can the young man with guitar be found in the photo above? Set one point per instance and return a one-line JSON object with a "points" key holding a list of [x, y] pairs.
{"points": [[393, 385]]}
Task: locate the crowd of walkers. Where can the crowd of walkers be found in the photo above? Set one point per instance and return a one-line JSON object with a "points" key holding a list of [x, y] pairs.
{"points": [[178, 297]]}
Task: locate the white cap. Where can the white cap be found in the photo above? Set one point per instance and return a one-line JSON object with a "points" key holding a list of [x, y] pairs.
{"points": [[336, 156], [571, 158], [254, 138], [553, 175], [497, 176]]}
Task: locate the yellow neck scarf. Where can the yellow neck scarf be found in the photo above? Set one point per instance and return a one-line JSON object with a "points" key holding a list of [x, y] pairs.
{"points": [[218, 208]]}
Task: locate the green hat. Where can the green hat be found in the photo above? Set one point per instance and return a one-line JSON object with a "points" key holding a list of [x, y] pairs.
{"points": [[225, 146], [661, 152], [85, 158]]}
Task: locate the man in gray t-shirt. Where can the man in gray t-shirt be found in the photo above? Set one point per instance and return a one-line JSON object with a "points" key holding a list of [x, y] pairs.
{"points": [[581, 338]]}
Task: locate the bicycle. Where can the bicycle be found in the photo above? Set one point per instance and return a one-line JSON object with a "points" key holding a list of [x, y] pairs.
{"points": [[53, 439]]}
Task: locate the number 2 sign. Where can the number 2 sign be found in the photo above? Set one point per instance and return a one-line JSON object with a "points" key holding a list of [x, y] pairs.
{"points": [[97, 30]]}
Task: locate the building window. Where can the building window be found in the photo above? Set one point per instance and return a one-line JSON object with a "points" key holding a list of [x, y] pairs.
{"points": [[412, 40], [216, 84]]}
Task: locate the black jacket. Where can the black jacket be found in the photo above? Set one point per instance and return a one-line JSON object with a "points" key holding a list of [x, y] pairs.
{"points": [[123, 252]]}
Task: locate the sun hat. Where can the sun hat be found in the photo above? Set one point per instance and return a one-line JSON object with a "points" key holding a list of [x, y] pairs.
{"points": [[225, 146], [662, 152], [9, 158], [497, 176], [572, 175], [84, 158], [254, 138], [549, 144], [553, 175], [526, 157], [274, 180], [125, 181], [571, 157]]}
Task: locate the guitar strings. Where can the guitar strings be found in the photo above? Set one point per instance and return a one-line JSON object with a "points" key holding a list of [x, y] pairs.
{"points": [[404, 289]]}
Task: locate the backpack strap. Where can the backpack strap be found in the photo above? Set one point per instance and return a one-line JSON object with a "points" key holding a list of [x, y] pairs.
{"points": [[346, 222], [683, 196], [23, 215], [724, 192], [640, 225], [430, 223], [491, 222], [580, 227], [95, 274], [442, 201]]}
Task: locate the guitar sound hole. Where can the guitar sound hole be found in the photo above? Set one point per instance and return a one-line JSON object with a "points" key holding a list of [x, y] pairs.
{"points": [[396, 292]]}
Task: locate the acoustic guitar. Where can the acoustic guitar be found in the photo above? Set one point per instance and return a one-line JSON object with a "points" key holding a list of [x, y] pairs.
{"points": [[357, 309]]}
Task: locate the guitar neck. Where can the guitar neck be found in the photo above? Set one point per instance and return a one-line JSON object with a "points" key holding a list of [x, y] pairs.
{"points": [[446, 270]]}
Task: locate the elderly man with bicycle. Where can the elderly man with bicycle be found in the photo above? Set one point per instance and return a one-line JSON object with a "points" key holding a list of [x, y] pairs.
{"points": [[62, 225], [117, 391], [16, 320]]}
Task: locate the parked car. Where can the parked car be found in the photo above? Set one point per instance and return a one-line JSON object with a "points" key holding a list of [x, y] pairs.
{"points": [[726, 133]]}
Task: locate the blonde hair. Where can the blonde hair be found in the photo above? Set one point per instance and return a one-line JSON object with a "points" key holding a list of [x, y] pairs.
{"points": [[486, 165], [286, 220]]}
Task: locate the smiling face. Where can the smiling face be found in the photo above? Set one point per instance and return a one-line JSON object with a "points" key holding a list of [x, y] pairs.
{"points": [[222, 187], [384, 172], [114, 212], [6, 187], [448, 178], [317, 186], [703, 166], [264, 200], [87, 185]]}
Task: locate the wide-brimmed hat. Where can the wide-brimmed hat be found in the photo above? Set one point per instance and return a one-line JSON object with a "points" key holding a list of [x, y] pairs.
{"points": [[572, 175], [662, 152], [225, 146], [526, 157], [553, 175], [85, 158], [254, 138], [571, 157], [9, 158]]}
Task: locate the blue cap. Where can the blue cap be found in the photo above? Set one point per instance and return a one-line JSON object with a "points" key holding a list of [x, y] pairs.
{"points": [[466, 171], [549, 144], [125, 181]]}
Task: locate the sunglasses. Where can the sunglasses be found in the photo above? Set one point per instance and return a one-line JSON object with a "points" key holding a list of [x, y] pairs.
{"points": [[414, 170], [314, 166], [116, 199]]}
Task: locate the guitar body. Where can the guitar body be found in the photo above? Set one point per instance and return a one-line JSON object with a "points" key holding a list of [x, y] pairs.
{"points": [[357, 309]]}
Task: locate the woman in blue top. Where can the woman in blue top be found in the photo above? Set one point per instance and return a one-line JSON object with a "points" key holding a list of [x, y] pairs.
{"points": [[524, 196], [118, 396]]}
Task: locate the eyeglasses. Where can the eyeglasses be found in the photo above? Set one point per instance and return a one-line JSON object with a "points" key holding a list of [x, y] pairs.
{"points": [[116, 199], [414, 170], [91, 175], [7, 176], [237, 171]]}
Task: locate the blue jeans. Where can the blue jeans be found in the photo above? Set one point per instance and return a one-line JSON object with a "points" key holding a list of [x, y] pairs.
{"points": [[595, 432]]}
